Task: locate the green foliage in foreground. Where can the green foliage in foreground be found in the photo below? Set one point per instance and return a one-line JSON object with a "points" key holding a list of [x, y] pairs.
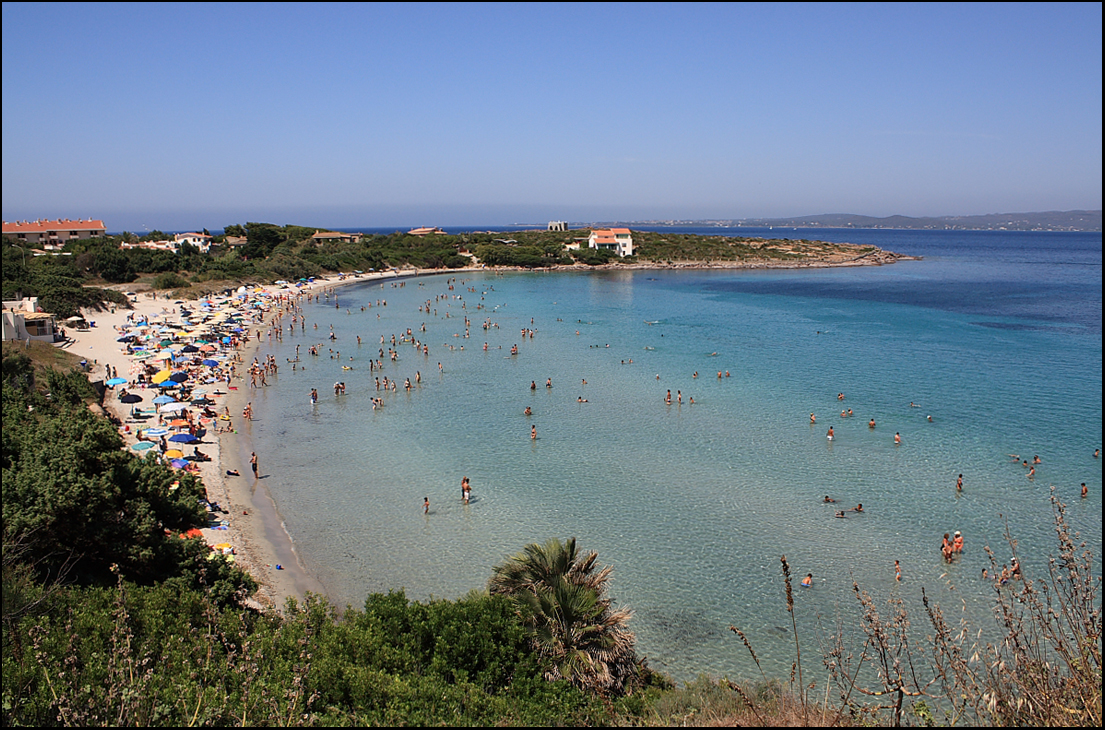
{"points": [[167, 655], [78, 505]]}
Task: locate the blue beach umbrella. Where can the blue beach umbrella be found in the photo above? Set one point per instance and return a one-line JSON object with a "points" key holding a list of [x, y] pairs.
{"points": [[183, 438], [163, 399], [116, 381], [155, 432], [179, 377], [179, 463], [211, 363], [142, 446]]}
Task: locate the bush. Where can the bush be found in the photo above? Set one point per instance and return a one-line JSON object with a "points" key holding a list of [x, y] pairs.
{"points": [[169, 280]]}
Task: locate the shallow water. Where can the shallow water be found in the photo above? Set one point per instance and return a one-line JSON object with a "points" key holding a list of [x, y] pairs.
{"points": [[694, 504]]}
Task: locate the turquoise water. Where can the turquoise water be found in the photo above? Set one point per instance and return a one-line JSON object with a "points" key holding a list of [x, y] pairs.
{"points": [[694, 504]]}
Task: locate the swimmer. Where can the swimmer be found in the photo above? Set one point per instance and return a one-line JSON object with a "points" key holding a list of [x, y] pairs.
{"points": [[528, 411], [581, 399], [830, 434], [808, 580], [897, 571], [840, 514], [1035, 459], [930, 419], [959, 484], [858, 507], [425, 505], [1096, 453], [871, 423], [850, 414], [1085, 491], [813, 418], [533, 433], [840, 396], [957, 542], [897, 438], [829, 500]]}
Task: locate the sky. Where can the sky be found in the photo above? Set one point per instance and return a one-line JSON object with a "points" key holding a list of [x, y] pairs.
{"points": [[180, 117]]}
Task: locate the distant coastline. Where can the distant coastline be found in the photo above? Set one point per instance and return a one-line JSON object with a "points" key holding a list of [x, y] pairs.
{"points": [[1085, 221]]}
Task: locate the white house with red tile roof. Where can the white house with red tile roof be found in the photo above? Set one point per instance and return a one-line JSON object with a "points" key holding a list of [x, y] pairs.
{"points": [[54, 232], [615, 239], [202, 241]]}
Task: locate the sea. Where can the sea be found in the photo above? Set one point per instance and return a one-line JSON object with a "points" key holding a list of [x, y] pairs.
{"points": [[989, 346]]}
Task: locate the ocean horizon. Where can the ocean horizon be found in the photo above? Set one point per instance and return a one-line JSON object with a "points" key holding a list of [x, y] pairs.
{"points": [[995, 335]]}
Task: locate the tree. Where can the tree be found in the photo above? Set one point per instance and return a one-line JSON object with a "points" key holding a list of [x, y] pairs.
{"points": [[560, 595]]}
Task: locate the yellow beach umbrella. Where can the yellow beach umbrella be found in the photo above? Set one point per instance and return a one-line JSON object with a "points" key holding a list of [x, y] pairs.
{"points": [[174, 454], [161, 376]]}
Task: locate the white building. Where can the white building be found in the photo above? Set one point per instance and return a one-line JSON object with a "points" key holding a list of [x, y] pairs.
{"points": [[202, 241], [25, 320], [615, 239]]}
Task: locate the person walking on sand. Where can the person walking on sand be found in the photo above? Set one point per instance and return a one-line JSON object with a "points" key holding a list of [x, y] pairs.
{"points": [[253, 463]]}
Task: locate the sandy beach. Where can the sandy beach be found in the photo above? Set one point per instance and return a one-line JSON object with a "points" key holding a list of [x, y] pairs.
{"points": [[250, 522]]}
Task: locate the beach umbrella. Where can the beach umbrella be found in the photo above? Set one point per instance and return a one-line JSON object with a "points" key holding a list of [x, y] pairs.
{"points": [[173, 407], [156, 432], [179, 377], [130, 398], [161, 376], [183, 438], [210, 363], [189, 348], [163, 399], [127, 338], [116, 381], [142, 446], [178, 463]]}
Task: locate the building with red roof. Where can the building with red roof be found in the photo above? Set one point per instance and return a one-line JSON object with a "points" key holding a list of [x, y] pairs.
{"points": [[54, 232]]}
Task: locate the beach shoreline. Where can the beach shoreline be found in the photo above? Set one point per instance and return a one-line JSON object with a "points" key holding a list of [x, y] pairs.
{"points": [[252, 522]]}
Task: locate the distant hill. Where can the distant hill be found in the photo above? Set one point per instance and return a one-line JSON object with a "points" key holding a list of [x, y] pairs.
{"points": [[1071, 220]]}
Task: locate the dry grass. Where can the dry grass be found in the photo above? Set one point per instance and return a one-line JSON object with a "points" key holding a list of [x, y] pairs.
{"points": [[43, 355], [1044, 669]]}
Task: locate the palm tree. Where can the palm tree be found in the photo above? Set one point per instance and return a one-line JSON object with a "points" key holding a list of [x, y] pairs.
{"points": [[561, 598]]}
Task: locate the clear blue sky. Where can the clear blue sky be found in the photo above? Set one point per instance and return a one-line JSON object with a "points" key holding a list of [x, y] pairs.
{"points": [[187, 116]]}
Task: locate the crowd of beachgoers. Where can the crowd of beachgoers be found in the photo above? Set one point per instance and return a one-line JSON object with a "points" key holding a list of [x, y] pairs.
{"points": [[173, 371]]}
